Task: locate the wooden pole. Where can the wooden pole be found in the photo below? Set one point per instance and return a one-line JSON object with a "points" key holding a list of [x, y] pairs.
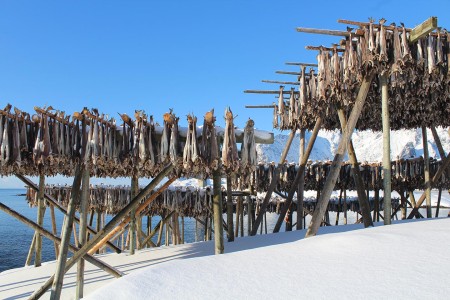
{"points": [[426, 162], [134, 192], [273, 184], [249, 217], [31, 250], [54, 230], [362, 197], [84, 206], [339, 157], [51, 200], [217, 209], [238, 215], [105, 230], [96, 262], [301, 184], [40, 219], [230, 227], [301, 170], [65, 235], [438, 202], [386, 149]]}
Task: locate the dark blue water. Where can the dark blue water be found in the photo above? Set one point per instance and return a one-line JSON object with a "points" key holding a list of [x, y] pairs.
{"points": [[16, 237]]}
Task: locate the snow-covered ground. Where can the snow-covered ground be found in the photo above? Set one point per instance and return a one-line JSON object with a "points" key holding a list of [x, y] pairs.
{"points": [[405, 260]]}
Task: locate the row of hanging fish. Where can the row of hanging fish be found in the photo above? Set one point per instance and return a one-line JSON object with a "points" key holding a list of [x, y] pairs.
{"points": [[418, 76], [189, 201], [334, 205], [406, 175], [52, 142]]}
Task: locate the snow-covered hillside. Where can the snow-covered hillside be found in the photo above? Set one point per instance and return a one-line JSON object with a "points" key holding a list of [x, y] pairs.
{"points": [[368, 145]]}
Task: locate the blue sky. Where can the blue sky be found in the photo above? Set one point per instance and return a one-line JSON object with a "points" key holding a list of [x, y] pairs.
{"points": [[191, 56]]}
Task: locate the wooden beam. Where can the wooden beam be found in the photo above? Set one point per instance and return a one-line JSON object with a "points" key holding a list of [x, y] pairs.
{"points": [[65, 235], [106, 229], [40, 219], [323, 48], [423, 29], [272, 184], [96, 262], [301, 64], [288, 73], [323, 31], [84, 206], [301, 183], [301, 170], [217, 208], [277, 92], [339, 157], [426, 169], [281, 82], [362, 197], [386, 149]]}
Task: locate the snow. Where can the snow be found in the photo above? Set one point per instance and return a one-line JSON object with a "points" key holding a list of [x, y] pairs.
{"points": [[408, 260], [367, 144]]}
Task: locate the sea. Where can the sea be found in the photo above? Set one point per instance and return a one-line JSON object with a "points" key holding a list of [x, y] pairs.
{"points": [[16, 237]]}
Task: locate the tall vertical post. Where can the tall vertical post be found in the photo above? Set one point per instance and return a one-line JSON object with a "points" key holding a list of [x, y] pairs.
{"points": [[386, 149], [426, 168], [65, 236], [301, 184], [40, 219], [230, 210], [84, 206], [134, 192], [217, 209]]}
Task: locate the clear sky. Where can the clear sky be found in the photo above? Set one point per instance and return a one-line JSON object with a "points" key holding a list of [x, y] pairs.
{"points": [[191, 56]]}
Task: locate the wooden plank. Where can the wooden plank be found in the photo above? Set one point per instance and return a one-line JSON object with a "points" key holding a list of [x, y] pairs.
{"points": [[230, 228], [84, 206], [40, 219], [301, 184], [339, 157], [259, 106], [423, 29]]}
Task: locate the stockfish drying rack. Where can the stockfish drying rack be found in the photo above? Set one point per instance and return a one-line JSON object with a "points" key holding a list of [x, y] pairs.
{"points": [[377, 69]]}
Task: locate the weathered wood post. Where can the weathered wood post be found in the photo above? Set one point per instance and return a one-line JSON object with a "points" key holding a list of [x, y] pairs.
{"points": [[134, 192], [339, 157], [426, 164], [386, 148], [40, 218], [65, 235], [230, 227], [301, 184], [84, 206], [217, 209]]}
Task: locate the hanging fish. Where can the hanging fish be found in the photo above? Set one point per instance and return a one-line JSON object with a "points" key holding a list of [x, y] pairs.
{"points": [[248, 149], [166, 134], [406, 52], [174, 147], [431, 49], [230, 159], [383, 42]]}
